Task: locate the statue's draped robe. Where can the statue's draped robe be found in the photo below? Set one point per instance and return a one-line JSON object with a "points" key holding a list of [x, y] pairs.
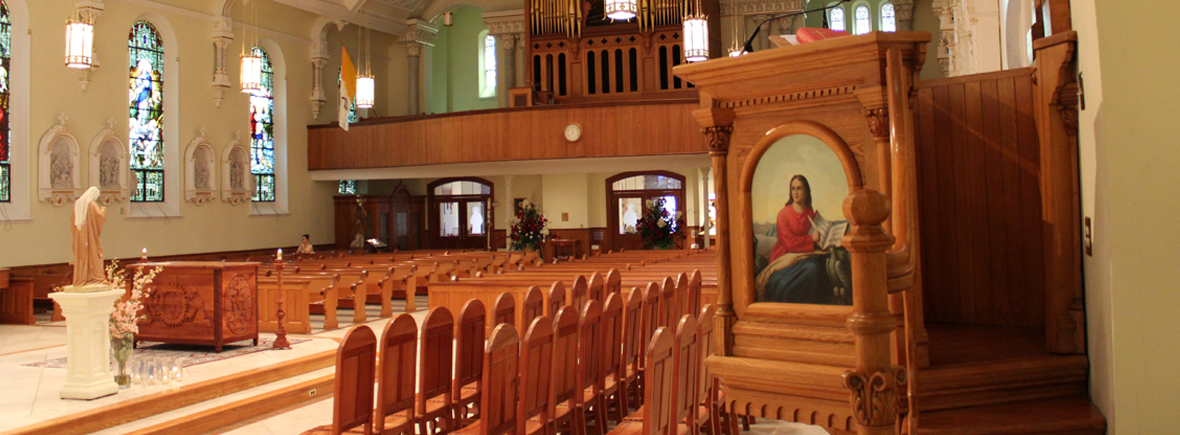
{"points": [[87, 249]]}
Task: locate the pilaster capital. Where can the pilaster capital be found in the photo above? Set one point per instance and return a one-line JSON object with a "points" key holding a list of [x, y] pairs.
{"points": [[904, 9], [420, 33], [874, 396], [508, 41], [878, 119], [223, 29], [716, 125]]}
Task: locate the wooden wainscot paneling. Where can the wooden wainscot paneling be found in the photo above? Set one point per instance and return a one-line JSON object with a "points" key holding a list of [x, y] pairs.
{"points": [[795, 361], [616, 129]]}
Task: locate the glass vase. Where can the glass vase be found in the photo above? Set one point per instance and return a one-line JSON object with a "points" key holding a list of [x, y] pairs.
{"points": [[121, 348]]}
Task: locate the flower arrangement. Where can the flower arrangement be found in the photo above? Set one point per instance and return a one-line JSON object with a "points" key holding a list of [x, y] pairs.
{"points": [[657, 227], [528, 228], [124, 322]]}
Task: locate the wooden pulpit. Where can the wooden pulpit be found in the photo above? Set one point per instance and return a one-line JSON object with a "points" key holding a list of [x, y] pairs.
{"points": [[204, 303]]}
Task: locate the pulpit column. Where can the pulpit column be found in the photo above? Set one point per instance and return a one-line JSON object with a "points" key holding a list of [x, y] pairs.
{"points": [[717, 124], [419, 43]]}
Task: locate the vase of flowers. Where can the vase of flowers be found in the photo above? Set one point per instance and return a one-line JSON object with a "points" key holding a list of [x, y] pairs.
{"points": [[124, 321], [528, 228], [657, 227]]}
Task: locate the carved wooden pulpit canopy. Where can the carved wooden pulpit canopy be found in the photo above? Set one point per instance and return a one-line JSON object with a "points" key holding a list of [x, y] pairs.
{"points": [[819, 301]]}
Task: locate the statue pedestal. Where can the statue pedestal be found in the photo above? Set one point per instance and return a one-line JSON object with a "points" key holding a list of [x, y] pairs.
{"points": [[88, 345]]}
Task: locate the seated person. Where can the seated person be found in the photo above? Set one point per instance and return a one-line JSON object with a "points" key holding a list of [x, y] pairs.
{"points": [[305, 246]]}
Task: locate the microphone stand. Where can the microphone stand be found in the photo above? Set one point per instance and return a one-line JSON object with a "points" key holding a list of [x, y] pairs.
{"points": [[749, 45]]}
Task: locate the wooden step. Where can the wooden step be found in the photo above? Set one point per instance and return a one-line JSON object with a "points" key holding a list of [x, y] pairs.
{"points": [[1073, 415], [998, 382]]}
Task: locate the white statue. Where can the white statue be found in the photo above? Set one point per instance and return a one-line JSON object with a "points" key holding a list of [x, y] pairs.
{"points": [[475, 221], [630, 219]]}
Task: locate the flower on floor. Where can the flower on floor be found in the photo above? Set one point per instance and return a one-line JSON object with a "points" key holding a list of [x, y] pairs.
{"points": [[124, 321], [657, 227], [528, 229]]}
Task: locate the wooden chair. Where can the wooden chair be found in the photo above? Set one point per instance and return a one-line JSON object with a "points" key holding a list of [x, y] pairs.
{"points": [[536, 365], [578, 292], [596, 288], [533, 305], [669, 309], [614, 281], [591, 378], [505, 311], [612, 350], [352, 405], [565, 397], [655, 418], [498, 401], [652, 316], [434, 402], [709, 412], [556, 299], [395, 380], [684, 297], [686, 365], [632, 356], [694, 291], [469, 343]]}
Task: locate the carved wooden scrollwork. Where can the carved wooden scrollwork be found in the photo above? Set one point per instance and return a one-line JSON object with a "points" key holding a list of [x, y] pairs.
{"points": [[1066, 102], [717, 137], [238, 305], [874, 398], [878, 120]]}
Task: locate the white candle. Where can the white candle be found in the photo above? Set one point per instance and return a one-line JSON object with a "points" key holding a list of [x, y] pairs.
{"points": [[280, 254]]}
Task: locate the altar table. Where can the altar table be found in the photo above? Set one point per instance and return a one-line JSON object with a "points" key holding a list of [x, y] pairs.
{"points": [[205, 303]]}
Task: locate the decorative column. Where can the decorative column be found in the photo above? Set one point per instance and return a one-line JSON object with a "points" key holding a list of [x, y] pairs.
{"points": [[874, 383], [510, 204], [787, 25], [508, 29], [703, 196], [419, 40], [716, 125], [88, 340], [903, 12], [223, 36], [946, 43], [764, 34], [318, 98]]}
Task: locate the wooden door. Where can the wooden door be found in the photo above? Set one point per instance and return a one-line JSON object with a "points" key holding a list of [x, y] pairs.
{"points": [[459, 213], [628, 199]]}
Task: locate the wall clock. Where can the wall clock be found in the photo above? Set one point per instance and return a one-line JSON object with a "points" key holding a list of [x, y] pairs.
{"points": [[573, 132]]}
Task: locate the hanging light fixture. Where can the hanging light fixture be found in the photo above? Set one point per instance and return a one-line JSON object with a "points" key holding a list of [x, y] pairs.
{"points": [[365, 85], [448, 18], [696, 35], [620, 10], [80, 40], [251, 73]]}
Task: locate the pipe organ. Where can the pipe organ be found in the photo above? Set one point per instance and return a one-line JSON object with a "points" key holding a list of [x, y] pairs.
{"points": [[575, 54]]}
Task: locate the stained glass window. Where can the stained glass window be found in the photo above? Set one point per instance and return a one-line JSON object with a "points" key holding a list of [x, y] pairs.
{"points": [[489, 65], [352, 119], [836, 18], [863, 23], [888, 19], [347, 187], [5, 44], [146, 112], [262, 141]]}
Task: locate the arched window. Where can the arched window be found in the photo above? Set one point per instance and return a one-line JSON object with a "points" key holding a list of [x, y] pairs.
{"points": [[262, 140], [352, 119], [864, 23], [888, 19], [146, 112], [488, 66], [836, 18], [5, 55], [347, 187]]}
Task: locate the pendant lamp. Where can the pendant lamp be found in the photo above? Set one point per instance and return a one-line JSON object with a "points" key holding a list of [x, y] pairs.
{"points": [[79, 43], [696, 36], [251, 76], [620, 9]]}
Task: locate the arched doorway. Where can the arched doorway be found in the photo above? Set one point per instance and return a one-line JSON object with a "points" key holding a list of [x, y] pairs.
{"points": [[459, 213], [627, 196]]}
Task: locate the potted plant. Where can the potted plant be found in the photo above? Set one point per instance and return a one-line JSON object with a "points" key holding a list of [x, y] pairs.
{"points": [[657, 227], [528, 228]]}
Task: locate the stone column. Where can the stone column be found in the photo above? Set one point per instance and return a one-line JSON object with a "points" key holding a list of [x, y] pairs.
{"points": [[763, 40], [88, 342], [419, 41], [505, 67], [223, 36], [317, 85], [508, 28], [903, 11]]}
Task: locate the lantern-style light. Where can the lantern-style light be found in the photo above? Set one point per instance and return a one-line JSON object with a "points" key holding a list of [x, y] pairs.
{"points": [[620, 9], [79, 43], [251, 76], [448, 18], [365, 92], [696, 37]]}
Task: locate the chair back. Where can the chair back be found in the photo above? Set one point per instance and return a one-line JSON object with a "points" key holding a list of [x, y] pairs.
{"points": [[705, 341], [612, 336], [658, 380], [590, 361], [469, 342], [505, 309], [614, 281], [685, 365], [633, 331], [356, 360], [536, 365], [694, 291], [565, 356], [651, 315], [578, 292], [533, 305], [435, 352], [396, 378], [497, 405], [669, 310], [556, 299], [596, 287], [683, 298]]}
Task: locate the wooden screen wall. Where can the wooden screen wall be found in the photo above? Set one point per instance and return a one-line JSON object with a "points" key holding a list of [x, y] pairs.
{"points": [[980, 201]]}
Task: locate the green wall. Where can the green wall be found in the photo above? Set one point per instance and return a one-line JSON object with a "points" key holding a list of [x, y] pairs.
{"points": [[456, 64]]}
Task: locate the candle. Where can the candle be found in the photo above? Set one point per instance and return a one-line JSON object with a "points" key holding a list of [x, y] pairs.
{"points": [[145, 252], [280, 254]]}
